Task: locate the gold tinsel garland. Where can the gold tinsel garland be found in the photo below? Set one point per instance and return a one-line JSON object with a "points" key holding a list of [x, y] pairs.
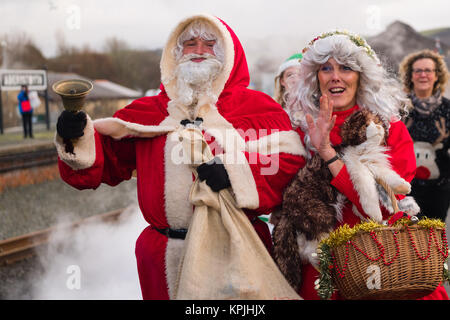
{"points": [[344, 233]]}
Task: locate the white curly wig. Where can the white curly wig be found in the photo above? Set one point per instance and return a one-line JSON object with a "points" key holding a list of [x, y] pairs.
{"points": [[378, 91]]}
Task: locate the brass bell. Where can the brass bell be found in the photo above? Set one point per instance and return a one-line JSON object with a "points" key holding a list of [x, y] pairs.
{"points": [[73, 93]]}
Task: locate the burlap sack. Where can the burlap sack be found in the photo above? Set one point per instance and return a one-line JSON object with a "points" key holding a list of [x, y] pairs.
{"points": [[224, 258]]}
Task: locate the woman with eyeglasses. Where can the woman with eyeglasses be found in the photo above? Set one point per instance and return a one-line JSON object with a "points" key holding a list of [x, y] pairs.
{"points": [[424, 75]]}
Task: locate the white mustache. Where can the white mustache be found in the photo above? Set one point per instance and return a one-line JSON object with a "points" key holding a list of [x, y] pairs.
{"points": [[196, 78], [190, 56]]}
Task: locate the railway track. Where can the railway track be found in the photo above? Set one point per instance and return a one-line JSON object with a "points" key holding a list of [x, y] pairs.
{"points": [[29, 156], [18, 248]]}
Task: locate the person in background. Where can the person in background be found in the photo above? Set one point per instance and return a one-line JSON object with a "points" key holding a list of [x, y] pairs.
{"points": [[285, 81], [26, 111], [287, 78], [424, 75]]}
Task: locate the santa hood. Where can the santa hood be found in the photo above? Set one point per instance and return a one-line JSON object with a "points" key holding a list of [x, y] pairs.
{"points": [[136, 118], [235, 69]]}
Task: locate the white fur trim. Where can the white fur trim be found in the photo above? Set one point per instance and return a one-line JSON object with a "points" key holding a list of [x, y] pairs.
{"points": [[238, 169], [118, 128], [278, 142], [168, 61], [177, 183], [84, 148], [174, 251], [288, 64]]}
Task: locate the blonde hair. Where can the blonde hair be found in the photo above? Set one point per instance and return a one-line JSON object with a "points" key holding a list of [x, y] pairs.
{"points": [[279, 91], [405, 69], [280, 94]]}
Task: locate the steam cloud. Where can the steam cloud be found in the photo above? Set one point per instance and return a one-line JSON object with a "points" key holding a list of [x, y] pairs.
{"points": [[96, 262]]}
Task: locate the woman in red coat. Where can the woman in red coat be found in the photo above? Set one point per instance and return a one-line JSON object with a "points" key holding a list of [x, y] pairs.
{"points": [[341, 74]]}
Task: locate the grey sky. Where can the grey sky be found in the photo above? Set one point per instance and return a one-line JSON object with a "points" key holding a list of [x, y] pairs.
{"points": [[147, 23]]}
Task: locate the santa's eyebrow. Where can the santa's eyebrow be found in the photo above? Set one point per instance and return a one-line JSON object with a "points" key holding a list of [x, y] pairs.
{"points": [[204, 39]]}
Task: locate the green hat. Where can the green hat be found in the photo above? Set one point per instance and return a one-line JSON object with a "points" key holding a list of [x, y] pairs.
{"points": [[293, 60]]}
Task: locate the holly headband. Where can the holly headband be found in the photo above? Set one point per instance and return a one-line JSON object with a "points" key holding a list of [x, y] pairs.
{"points": [[356, 39]]}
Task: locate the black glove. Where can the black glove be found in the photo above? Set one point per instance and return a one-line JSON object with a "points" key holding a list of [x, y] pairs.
{"points": [[215, 174], [71, 125]]}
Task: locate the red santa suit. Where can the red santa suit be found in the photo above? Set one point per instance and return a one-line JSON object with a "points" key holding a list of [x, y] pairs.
{"points": [[402, 158], [248, 125]]}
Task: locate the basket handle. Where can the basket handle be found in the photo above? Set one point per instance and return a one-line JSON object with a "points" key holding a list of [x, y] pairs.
{"points": [[390, 193]]}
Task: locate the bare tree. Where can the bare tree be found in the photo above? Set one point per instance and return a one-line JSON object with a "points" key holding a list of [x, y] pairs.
{"points": [[20, 51]]}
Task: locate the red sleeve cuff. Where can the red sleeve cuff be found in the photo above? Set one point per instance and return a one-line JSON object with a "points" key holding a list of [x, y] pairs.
{"points": [[342, 180]]}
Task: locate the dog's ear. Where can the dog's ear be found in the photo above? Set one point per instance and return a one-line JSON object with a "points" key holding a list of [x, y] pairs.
{"points": [[353, 130]]}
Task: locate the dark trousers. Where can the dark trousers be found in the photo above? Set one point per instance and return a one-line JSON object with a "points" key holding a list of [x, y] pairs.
{"points": [[433, 201], [27, 124]]}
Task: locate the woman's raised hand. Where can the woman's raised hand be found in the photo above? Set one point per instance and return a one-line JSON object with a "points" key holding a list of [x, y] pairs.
{"points": [[319, 133], [319, 130]]}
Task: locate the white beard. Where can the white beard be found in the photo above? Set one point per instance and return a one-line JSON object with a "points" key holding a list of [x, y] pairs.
{"points": [[195, 78]]}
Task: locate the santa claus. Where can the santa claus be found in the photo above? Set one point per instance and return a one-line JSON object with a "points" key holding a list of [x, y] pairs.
{"points": [[204, 83]]}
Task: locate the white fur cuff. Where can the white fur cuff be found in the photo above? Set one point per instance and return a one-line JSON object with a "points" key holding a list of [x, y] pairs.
{"points": [[83, 148], [118, 128], [278, 142]]}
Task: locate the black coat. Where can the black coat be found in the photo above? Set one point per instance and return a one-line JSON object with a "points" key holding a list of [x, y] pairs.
{"points": [[424, 129]]}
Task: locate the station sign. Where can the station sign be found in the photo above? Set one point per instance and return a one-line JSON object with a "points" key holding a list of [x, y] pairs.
{"points": [[14, 79]]}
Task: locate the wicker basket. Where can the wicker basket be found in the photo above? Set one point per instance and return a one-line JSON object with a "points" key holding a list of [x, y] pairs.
{"points": [[391, 262], [409, 265]]}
